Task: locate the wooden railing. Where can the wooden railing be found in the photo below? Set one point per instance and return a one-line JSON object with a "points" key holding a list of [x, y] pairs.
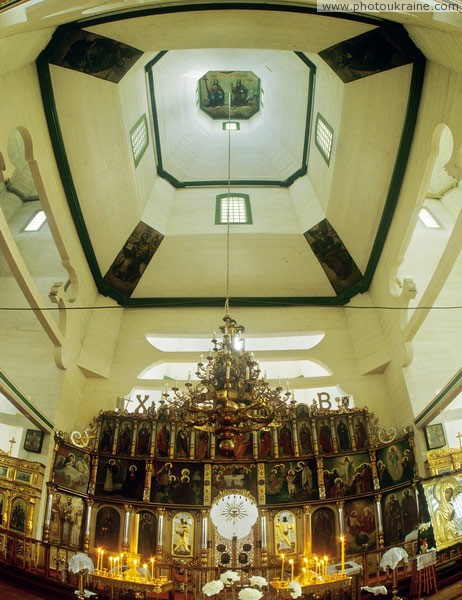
{"points": [[49, 562]]}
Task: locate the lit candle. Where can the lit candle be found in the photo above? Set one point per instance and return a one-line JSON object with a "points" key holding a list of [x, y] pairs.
{"points": [[247, 373], [116, 561], [282, 566], [342, 547], [152, 567], [145, 567], [321, 567], [110, 565], [99, 559], [134, 564], [102, 559], [291, 563], [326, 561]]}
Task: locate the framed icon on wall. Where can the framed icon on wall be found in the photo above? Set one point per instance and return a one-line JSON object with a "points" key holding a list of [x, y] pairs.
{"points": [[434, 436], [33, 440]]}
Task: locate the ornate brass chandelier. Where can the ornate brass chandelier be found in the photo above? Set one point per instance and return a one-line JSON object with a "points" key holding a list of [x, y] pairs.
{"points": [[232, 397]]}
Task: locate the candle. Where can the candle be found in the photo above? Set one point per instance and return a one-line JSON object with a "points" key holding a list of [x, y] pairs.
{"points": [[152, 568], [98, 559], [145, 567], [110, 565], [116, 564], [291, 563], [282, 566], [326, 561], [102, 559], [342, 547]]}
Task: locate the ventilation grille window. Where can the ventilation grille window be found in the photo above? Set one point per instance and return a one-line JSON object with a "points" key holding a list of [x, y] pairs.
{"points": [[139, 139], [233, 208], [324, 137]]}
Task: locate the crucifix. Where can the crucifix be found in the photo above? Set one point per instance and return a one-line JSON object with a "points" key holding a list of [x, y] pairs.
{"points": [[459, 437], [12, 443]]}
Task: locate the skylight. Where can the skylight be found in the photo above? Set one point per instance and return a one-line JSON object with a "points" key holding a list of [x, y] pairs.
{"points": [[36, 221]]}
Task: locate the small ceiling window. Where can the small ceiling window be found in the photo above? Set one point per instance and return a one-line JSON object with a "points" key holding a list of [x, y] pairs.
{"points": [[428, 219], [36, 221], [324, 137], [231, 126], [233, 208], [139, 139]]}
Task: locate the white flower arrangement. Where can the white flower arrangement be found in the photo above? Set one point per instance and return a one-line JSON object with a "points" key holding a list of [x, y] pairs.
{"points": [[424, 526], [257, 581], [250, 594], [213, 587], [295, 589], [229, 577]]}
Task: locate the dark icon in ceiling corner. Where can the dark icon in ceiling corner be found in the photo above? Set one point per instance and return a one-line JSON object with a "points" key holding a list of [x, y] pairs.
{"points": [[335, 259], [133, 259], [372, 52], [95, 55]]}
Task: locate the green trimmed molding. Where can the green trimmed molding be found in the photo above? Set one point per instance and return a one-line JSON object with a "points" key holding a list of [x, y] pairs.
{"points": [[452, 389], [23, 403]]}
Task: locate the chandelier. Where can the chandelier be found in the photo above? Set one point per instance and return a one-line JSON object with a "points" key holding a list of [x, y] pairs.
{"points": [[232, 397]]}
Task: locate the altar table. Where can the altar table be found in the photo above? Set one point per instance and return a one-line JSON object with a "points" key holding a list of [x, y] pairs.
{"points": [[140, 586]]}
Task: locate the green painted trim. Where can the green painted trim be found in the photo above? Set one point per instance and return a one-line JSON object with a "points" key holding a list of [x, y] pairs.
{"points": [[338, 301], [177, 184], [51, 115], [248, 208], [66, 177], [402, 158], [27, 403], [91, 21], [433, 405]]}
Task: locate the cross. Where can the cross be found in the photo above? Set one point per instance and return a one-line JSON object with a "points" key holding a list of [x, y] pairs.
{"points": [[127, 400], [12, 443], [141, 403], [459, 437]]}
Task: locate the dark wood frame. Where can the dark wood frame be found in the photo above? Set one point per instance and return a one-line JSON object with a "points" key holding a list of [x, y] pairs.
{"points": [[435, 431], [28, 439]]}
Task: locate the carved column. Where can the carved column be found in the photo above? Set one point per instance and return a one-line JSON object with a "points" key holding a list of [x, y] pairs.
{"points": [[333, 434], [152, 447], [134, 438], [127, 509], [378, 507], [94, 470], [295, 434], [116, 436], [213, 441], [147, 481], [171, 447], [275, 443], [375, 475], [340, 504], [86, 537], [314, 431], [320, 468], [160, 533], [192, 444], [46, 526], [352, 432], [307, 529], [255, 445], [204, 537]]}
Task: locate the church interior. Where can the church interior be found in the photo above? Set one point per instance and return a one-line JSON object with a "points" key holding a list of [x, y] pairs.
{"points": [[265, 400]]}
